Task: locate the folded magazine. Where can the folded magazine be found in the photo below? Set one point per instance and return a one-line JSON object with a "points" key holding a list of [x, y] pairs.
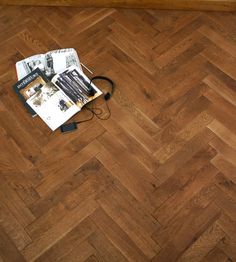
{"points": [[28, 86], [57, 100]]}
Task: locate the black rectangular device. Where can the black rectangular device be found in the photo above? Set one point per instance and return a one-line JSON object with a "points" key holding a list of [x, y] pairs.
{"points": [[68, 127]]}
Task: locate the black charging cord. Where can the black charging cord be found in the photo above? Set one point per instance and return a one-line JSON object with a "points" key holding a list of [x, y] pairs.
{"points": [[86, 120], [107, 96], [98, 115], [95, 111]]}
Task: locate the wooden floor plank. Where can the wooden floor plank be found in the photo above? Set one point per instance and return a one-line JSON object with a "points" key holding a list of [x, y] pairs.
{"points": [[8, 250], [117, 236]]}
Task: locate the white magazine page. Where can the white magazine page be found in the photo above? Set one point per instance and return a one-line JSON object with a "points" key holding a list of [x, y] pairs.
{"points": [[62, 59], [50, 63], [52, 105], [76, 85], [26, 66]]}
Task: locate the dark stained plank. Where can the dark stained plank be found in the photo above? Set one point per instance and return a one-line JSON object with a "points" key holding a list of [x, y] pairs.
{"points": [[117, 236], [179, 236], [66, 245], [204, 244], [8, 251]]}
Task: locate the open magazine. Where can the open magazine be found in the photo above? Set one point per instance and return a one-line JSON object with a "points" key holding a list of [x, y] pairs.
{"points": [[50, 63], [57, 100]]}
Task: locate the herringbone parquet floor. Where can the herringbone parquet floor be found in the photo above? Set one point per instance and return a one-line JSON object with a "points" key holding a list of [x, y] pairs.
{"points": [[157, 181]]}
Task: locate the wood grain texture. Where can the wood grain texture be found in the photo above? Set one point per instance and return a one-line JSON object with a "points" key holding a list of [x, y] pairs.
{"points": [[212, 5], [155, 182]]}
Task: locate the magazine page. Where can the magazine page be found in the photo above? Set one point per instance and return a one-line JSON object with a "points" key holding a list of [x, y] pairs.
{"points": [[26, 66], [76, 85], [50, 63], [28, 86], [52, 105], [59, 60]]}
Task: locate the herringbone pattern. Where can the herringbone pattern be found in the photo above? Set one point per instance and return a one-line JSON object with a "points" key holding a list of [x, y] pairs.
{"points": [[155, 182]]}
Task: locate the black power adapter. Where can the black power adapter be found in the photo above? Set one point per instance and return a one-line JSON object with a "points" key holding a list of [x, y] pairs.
{"points": [[69, 127]]}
